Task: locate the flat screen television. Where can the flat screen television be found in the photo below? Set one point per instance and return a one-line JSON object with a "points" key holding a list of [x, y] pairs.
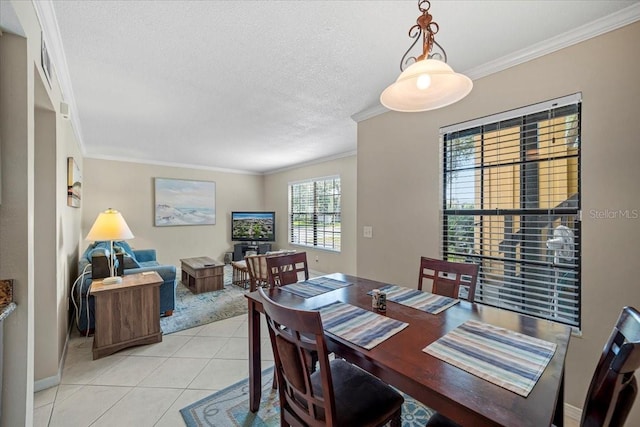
{"points": [[253, 226]]}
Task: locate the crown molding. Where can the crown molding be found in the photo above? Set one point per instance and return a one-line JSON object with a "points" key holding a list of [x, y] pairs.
{"points": [[313, 162], [577, 35], [50, 30], [171, 164], [369, 112], [585, 32]]}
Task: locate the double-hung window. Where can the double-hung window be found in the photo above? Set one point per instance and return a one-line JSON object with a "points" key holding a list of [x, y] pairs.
{"points": [[314, 213], [511, 204]]}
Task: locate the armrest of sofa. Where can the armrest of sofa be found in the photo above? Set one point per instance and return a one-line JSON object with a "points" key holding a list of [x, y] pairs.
{"points": [[145, 255]]}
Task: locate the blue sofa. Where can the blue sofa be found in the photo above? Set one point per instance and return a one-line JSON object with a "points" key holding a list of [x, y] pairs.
{"points": [[135, 261]]}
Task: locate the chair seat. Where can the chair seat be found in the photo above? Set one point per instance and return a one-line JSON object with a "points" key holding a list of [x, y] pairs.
{"points": [[361, 399]]}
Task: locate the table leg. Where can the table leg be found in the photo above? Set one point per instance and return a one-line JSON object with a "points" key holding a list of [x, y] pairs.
{"points": [[255, 380], [558, 415]]}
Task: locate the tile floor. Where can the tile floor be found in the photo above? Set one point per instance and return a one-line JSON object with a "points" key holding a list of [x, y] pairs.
{"points": [[147, 385]]}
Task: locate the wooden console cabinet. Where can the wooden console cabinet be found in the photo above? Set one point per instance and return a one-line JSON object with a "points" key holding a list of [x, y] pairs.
{"points": [[240, 249], [127, 313]]}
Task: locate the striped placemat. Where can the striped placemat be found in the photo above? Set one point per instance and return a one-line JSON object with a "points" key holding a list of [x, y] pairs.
{"points": [[506, 358], [316, 286], [424, 301], [358, 326]]}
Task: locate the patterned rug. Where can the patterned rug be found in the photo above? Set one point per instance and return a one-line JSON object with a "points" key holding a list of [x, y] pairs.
{"points": [[194, 310], [230, 407]]}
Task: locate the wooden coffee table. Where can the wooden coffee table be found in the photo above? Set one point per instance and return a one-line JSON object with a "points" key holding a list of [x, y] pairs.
{"points": [[202, 274]]}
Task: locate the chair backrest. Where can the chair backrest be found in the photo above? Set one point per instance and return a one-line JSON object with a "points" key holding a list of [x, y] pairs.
{"points": [[257, 268], [447, 277], [295, 336], [284, 269], [613, 387]]}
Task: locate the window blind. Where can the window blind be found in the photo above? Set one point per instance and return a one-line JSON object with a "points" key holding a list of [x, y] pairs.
{"points": [[511, 204], [315, 213]]}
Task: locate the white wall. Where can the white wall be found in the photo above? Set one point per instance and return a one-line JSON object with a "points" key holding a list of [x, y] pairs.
{"points": [[398, 180], [277, 198], [129, 188], [16, 226], [34, 220]]}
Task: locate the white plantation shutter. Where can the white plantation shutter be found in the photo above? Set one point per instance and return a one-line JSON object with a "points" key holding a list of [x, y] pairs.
{"points": [[511, 203], [315, 213]]}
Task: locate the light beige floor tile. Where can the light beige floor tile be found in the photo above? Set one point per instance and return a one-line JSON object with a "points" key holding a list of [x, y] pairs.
{"points": [[234, 348], [41, 415], [141, 407], [129, 371], [223, 328], [176, 372], [44, 397], [169, 345], [85, 371], [220, 373], [67, 390], [86, 406], [202, 347], [189, 332], [172, 417]]}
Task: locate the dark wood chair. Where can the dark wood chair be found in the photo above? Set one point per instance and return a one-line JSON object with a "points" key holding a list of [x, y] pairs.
{"points": [[447, 277], [614, 387], [338, 394], [284, 269]]}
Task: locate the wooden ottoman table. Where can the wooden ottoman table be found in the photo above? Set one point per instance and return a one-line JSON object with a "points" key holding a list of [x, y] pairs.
{"points": [[202, 274]]}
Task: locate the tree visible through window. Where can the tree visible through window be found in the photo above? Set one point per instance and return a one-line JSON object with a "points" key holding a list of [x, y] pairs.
{"points": [[315, 213], [512, 205]]}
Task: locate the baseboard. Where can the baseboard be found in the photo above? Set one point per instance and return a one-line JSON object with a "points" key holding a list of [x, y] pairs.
{"points": [[54, 380], [573, 413]]}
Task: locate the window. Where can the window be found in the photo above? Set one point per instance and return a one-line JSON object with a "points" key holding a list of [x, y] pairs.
{"points": [[511, 203], [314, 213]]}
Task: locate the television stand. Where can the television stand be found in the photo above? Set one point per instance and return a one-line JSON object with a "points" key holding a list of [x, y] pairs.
{"points": [[240, 249]]}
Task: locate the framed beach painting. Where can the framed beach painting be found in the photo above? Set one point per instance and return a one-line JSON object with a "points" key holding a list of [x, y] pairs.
{"points": [[184, 202]]}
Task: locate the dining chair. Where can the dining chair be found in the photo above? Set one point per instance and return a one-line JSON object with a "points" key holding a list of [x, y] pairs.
{"points": [[284, 269], [257, 269], [338, 394], [613, 386], [447, 277]]}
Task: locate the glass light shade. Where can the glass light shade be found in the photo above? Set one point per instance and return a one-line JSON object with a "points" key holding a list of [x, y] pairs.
{"points": [[110, 225], [445, 88]]}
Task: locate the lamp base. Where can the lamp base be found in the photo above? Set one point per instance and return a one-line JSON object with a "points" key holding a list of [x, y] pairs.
{"points": [[114, 280]]}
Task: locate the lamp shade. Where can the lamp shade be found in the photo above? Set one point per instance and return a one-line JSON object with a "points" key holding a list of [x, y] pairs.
{"points": [[426, 85], [110, 225]]}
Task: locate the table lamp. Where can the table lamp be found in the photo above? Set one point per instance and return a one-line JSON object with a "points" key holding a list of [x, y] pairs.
{"points": [[111, 226]]}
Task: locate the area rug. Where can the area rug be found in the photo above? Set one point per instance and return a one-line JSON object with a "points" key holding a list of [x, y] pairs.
{"points": [[230, 407], [195, 310]]}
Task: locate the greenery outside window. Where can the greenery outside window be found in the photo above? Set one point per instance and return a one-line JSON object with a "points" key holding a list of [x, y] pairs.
{"points": [[315, 213], [511, 204]]}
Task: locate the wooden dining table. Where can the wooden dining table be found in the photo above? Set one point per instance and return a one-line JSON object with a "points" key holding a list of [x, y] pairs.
{"points": [[455, 393]]}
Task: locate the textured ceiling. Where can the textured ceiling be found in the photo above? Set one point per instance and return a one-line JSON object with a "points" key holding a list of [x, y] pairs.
{"points": [[262, 85]]}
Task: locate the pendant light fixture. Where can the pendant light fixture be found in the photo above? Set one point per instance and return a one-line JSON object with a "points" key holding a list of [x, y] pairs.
{"points": [[426, 82]]}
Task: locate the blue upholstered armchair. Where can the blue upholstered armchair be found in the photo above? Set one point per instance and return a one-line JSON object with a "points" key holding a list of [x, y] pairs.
{"points": [[135, 261]]}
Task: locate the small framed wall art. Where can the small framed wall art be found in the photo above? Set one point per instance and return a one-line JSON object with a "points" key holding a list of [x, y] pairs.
{"points": [[74, 183], [184, 202]]}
